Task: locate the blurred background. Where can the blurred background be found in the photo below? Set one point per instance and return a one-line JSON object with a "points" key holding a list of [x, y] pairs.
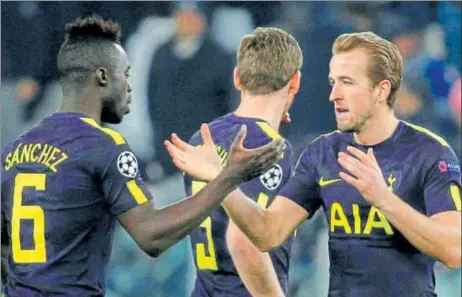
{"points": [[182, 56]]}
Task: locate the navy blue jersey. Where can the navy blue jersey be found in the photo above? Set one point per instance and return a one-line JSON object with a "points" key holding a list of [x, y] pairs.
{"points": [[64, 182], [368, 256], [216, 273]]}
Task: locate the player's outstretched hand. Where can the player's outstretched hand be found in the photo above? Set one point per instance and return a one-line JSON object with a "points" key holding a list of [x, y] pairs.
{"points": [[250, 163], [201, 162]]}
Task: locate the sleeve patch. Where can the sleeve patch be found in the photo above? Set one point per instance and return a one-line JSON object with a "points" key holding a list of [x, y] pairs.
{"points": [[448, 166], [127, 164], [272, 178]]}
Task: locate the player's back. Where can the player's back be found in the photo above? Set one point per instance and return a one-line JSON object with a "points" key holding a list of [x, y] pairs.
{"points": [[58, 222], [216, 273]]}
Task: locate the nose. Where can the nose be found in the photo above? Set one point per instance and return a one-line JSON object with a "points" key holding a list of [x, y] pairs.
{"points": [[129, 87], [334, 94]]}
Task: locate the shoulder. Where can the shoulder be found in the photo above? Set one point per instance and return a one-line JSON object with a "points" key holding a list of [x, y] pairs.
{"points": [[106, 137], [260, 133], [328, 140], [225, 128], [106, 147], [426, 142]]}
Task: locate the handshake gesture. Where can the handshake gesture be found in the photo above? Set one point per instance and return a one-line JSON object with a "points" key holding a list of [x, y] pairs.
{"points": [[203, 162]]}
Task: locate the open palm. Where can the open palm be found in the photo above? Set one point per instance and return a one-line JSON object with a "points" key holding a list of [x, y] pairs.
{"points": [[200, 162], [203, 162]]}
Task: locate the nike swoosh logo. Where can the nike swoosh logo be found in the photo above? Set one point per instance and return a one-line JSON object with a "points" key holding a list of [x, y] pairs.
{"points": [[324, 183]]}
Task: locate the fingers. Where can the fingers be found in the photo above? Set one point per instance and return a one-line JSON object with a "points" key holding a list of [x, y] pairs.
{"points": [[206, 135], [174, 152], [371, 155], [239, 139], [278, 144], [176, 155], [263, 163], [360, 155], [351, 164], [349, 179], [180, 144], [267, 159]]}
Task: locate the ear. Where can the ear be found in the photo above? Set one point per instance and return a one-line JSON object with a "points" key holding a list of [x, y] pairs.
{"points": [[383, 90], [237, 79], [294, 84], [102, 76]]}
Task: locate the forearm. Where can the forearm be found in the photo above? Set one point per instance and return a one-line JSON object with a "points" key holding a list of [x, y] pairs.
{"points": [[171, 224], [431, 237], [256, 271], [250, 218]]}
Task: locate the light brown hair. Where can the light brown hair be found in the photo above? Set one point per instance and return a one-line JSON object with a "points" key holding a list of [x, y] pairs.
{"points": [[386, 62], [267, 59]]}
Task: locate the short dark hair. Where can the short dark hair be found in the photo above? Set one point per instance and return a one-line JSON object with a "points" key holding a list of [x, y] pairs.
{"points": [[88, 45]]}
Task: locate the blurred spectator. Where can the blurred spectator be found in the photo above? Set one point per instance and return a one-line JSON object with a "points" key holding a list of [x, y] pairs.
{"points": [[263, 13], [412, 107], [189, 82], [455, 101], [226, 35], [450, 17], [39, 24]]}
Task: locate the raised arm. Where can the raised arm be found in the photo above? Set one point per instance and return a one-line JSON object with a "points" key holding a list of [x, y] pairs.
{"points": [[157, 230], [266, 228]]}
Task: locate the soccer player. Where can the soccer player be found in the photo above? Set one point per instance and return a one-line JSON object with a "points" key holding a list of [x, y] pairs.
{"points": [[390, 190], [66, 181], [268, 76]]}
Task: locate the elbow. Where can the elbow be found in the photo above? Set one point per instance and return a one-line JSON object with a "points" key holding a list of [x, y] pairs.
{"points": [[265, 246], [453, 259], [153, 249], [268, 244], [243, 246], [153, 252], [452, 264]]}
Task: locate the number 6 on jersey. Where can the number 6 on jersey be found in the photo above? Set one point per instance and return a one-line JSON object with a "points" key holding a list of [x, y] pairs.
{"points": [[22, 212]]}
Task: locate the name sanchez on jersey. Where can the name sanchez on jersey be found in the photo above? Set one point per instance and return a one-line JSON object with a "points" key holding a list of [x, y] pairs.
{"points": [[41, 153]]}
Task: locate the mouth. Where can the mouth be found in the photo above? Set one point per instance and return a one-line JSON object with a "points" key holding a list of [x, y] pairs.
{"points": [[341, 112], [127, 106]]}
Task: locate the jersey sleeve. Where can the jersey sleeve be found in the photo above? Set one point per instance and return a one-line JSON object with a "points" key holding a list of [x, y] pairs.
{"points": [[302, 187], [121, 183], [442, 180]]}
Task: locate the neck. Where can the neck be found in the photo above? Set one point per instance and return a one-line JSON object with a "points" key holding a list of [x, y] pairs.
{"points": [[266, 107], [81, 101], [377, 129]]}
